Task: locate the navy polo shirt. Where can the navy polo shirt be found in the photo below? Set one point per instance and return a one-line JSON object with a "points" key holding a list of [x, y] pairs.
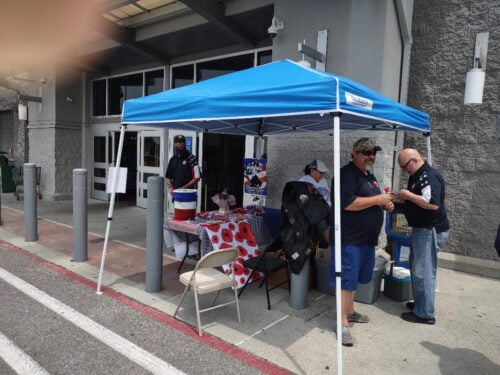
{"points": [[181, 169], [359, 228], [427, 181]]}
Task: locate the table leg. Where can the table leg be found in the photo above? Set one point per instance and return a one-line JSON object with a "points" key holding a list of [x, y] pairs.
{"points": [[186, 254]]}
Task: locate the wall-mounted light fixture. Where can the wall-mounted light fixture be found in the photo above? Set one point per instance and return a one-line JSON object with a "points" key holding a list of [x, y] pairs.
{"points": [[474, 81], [22, 111]]}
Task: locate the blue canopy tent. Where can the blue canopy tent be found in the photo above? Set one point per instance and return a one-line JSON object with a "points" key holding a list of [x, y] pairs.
{"points": [[275, 98]]}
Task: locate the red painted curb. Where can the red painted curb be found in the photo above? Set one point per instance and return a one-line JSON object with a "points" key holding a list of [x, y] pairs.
{"points": [[212, 341]]}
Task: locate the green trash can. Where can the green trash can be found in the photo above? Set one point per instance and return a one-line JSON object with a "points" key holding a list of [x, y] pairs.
{"points": [[6, 174]]}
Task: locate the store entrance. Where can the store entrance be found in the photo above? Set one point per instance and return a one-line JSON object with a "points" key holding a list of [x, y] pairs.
{"points": [[129, 161], [222, 168]]}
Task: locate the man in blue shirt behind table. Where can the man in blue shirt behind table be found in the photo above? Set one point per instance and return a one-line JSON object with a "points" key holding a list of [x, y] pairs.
{"points": [[182, 170], [362, 204], [426, 214]]}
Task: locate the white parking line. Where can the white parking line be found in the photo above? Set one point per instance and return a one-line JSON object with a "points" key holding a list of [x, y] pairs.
{"points": [[20, 362], [128, 349]]}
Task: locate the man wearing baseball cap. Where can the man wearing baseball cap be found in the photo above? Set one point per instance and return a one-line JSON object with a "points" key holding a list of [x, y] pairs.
{"points": [[183, 171], [362, 204]]}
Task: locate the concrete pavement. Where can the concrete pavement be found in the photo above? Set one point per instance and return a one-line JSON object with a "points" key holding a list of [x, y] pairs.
{"points": [[465, 339]]}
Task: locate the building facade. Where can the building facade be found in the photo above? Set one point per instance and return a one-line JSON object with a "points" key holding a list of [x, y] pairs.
{"points": [[176, 43]]}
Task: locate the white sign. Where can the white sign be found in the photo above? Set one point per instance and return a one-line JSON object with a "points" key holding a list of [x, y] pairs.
{"points": [[358, 101], [121, 184], [404, 254]]}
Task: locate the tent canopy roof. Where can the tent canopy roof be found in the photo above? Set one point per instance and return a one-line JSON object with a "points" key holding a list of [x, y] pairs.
{"points": [[279, 97]]}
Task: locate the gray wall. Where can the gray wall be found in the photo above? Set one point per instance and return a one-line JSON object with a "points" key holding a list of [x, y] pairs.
{"points": [[364, 44], [55, 132], [465, 140]]}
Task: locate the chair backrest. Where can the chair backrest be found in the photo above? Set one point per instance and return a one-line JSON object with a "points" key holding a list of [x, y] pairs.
{"points": [[218, 258]]}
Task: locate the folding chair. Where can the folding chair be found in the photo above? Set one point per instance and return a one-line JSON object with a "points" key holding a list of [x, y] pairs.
{"points": [[206, 279], [268, 263]]}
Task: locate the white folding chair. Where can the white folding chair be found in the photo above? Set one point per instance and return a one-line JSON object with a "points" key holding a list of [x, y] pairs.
{"points": [[206, 279]]}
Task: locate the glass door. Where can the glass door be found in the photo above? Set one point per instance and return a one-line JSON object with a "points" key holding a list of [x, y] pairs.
{"points": [[100, 152], [150, 162]]}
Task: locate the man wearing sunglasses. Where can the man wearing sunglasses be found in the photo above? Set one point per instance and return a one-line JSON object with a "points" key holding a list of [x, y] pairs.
{"points": [[426, 213], [362, 204]]}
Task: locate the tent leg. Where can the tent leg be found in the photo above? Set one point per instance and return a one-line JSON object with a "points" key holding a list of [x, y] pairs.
{"points": [[111, 206], [429, 151], [338, 256]]}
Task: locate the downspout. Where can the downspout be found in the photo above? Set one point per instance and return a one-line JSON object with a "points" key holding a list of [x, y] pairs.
{"points": [[404, 11]]}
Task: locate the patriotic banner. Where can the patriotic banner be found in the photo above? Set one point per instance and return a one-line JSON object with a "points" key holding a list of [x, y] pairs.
{"points": [[239, 235], [255, 177]]}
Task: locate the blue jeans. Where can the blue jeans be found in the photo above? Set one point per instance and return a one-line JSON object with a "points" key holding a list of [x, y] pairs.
{"points": [[423, 266]]}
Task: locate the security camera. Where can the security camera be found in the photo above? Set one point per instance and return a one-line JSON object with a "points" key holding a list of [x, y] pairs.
{"points": [[276, 25]]}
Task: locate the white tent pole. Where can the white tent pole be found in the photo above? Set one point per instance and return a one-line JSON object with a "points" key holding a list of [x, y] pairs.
{"points": [[338, 257], [114, 182], [429, 151]]}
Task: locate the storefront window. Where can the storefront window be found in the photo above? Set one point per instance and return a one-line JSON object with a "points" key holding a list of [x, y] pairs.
{"points": [[154, 82], [215, 68], [99, 98], [151, 151], [264, 57], [99, 149], [121, 89], [182, 75]]}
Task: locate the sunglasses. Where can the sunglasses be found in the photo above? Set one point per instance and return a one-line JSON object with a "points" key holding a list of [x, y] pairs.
{"points": [[406, 164], [368, 153]]}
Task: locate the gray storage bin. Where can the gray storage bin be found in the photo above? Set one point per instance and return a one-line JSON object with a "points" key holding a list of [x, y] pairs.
{"points": [[366, 293], [369, 293]]}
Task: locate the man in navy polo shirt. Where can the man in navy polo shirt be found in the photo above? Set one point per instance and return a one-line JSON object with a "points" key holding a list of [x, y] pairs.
{"points": [[362, 205], [182, 170], [426, 214]]}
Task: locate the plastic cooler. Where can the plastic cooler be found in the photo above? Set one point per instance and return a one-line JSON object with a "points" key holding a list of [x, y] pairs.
{"points": [[397, 284], [185, 201]]}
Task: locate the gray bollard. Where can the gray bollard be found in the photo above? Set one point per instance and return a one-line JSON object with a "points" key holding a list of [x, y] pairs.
{"points": [[299, 286], [80, 217], [30, 203], [154, 234]]}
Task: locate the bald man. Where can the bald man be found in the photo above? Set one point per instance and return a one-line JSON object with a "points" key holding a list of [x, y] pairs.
{"points": [[426, 213]]}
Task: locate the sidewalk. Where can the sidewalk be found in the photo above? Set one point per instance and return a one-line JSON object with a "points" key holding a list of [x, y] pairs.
{"points": [[465, 339]]}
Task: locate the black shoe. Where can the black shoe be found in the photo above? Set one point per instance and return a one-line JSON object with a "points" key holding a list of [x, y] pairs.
{"points": [[410, 305], [412, 318], [194, 257]]}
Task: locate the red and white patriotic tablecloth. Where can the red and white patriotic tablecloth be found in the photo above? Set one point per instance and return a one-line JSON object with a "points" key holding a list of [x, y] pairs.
{"points": [[175, 233], [239, 235]]}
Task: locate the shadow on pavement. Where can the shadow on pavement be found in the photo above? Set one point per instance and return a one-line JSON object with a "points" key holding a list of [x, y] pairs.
{"points": [[461, 360]]}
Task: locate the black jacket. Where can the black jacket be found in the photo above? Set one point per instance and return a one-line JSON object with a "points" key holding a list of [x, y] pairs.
{"points": [[305, 218]]}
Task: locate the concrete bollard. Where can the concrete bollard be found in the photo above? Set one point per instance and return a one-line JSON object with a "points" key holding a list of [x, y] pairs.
{"points": [[30, 203], [80, 217], [299, 285], [154, 234]]}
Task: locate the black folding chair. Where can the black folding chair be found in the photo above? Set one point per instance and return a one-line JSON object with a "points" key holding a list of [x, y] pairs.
{"points": [[268, 263]]}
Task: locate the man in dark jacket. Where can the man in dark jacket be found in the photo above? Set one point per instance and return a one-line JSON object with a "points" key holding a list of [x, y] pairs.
{"points": [[183, 171], [426, 213]]}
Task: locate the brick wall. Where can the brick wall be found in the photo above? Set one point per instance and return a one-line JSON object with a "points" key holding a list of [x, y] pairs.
{"points": [[465, 139]]}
